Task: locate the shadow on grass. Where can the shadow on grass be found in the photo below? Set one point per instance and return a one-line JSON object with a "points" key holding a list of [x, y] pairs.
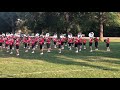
{"points": [[66, 61], [53, 59]]}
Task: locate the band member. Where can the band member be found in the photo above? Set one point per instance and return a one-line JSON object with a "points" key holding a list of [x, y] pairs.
{"points": [[11, 43], [62, 41], [76, 41], [70, 38], [55, 40], [37, 35], [25, 40], [36, 40], [79, 35], [17, 46], [107, 44], [70, 41], [66, 39], [90, 44], [48, 40], [28, 42], [59, 44], [1, 42], [41, 43], [7, 44], [84, 43], [80, 43], [96, 43], [33, 44], [47, 35], [69, 35]]}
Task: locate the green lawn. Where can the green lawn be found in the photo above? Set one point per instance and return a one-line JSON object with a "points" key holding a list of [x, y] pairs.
{"points": [[98, 64]]}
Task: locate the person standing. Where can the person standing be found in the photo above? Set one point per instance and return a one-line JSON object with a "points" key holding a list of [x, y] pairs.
{"points": [[76, 41], [41, 43], [80, 43], [59, 42], [90, 44], [33, 44], [11, 43], [84, 43], [48, 41], [96, 43], [1, 42], [17, 46], [55, 40], [107, 44]]}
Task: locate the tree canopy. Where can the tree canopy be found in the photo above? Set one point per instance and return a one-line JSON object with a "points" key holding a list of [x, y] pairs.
{"points": [[61, 22]]}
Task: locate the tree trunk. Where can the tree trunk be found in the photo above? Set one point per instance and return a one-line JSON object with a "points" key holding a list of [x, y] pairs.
{"points": [[101, 32], [78, 28], [35, 27], [101, 25], [58, 33], [12, 26], [66, 33], [13, 31], [34, 32]]}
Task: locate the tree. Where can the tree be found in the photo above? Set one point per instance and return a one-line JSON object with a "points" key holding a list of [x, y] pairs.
{"points": [[61, 22], [106, 19], [10, 18], [33, 20]]}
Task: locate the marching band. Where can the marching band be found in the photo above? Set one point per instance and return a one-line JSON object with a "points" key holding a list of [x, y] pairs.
{"points": [[14, 41]]}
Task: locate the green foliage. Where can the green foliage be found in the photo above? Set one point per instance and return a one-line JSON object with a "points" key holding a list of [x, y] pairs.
{"points": [[113, 19], [61, 22], [10, 19]]}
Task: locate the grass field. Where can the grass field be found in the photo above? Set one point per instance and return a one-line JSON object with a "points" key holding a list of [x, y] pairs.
{"points": [[98, 64]]}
